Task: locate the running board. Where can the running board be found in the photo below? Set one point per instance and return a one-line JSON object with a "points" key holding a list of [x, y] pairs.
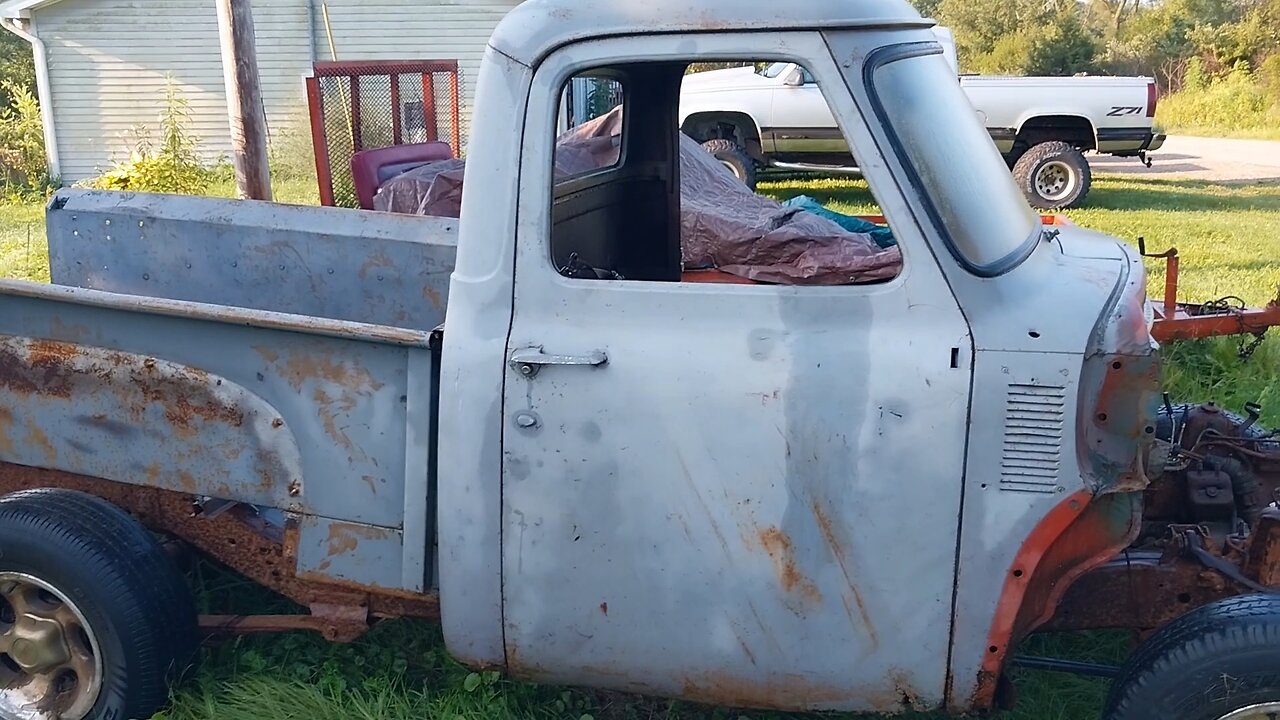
{"points": [[807, 167]]}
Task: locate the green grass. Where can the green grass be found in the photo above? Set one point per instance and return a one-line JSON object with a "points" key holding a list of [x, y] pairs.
{"points": [[1229, 239]]}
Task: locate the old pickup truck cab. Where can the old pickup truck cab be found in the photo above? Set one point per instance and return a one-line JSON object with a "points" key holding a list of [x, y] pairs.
{"points": [[595, 466]]}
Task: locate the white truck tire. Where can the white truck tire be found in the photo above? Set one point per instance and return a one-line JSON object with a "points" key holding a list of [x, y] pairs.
{"points": [[1053, 175]]}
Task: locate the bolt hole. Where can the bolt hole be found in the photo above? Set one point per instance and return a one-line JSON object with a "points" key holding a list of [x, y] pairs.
{"points": [[1149, 430], [1017, 573], [7, 615], [82, 639], [1116, 365], [65, 682], [1184, 598], [9, 669], [231, 542], [1034, 334], [1102, 417], [984, 486], [993, 649], [46, 600]]}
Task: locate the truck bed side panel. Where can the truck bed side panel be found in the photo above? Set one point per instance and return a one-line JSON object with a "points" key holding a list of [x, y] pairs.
{"points": [[366, 267], [315, 424]]}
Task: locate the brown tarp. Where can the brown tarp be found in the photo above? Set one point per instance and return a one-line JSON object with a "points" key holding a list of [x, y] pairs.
{"points": [[723, 224]]}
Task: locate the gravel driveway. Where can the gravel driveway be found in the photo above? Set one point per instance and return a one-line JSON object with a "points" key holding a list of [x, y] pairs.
{"points": [[1197, 158]]}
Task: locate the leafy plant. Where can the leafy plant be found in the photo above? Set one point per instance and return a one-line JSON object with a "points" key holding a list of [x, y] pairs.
{"points": [[171, 165], [17, 67], [23, 166]]}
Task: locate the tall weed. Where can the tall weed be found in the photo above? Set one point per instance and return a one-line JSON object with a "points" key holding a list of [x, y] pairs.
{"points": [[23, 167], [170, 164]]}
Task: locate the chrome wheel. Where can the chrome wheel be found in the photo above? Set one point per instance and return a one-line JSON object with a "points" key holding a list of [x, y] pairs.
{"points": [[1055, 181], [50, 664], [1261, 711]]}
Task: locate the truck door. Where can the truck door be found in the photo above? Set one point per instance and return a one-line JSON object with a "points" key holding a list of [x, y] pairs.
{"points": [[736, 492], [802, 125]]}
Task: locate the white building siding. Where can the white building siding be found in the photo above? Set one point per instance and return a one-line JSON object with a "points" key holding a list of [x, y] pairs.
{"points": [[415, 30], [108, 60]]}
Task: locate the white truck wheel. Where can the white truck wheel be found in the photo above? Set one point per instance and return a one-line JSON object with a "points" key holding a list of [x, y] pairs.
{"points": [[1053, 175]]}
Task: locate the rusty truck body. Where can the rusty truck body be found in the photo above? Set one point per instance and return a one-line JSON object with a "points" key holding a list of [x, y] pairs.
{"points": [[848, 497]]}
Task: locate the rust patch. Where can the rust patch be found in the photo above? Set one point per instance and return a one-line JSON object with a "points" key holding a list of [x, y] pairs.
{"points": [[780, 692], [778, 546], [36, 437], [298, 368], [267, 353], [373, 485], [38, 367], [329, 408], [6, 427], [604, 608], [373, 262], [345, 538], [842, 559], [183, 414], [432, 297]]}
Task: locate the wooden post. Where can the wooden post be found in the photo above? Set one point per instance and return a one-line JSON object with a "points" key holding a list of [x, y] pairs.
{"points": [[244, 99]]}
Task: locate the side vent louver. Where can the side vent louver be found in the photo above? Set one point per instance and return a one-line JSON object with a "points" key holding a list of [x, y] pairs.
{"points": [[1032, 438]]}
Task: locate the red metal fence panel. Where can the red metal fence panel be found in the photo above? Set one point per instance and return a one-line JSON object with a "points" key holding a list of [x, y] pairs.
{"points": [[363, 104]]}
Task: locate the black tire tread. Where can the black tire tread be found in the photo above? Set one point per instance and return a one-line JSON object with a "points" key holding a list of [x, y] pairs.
{"points": [[721, 146], [1023, 171], [1199, 637], [124, 562]]}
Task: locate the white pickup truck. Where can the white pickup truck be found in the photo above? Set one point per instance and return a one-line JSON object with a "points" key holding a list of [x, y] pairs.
{"points": [[775, 116]]}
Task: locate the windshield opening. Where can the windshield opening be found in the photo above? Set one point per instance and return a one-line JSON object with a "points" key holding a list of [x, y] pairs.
{"points": [[960, 177], [772, 70]]}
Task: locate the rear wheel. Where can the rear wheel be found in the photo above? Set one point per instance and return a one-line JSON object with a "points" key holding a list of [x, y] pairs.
{"points": [[735, 157], [1218, 662], [94, 619], [1053, 175]]}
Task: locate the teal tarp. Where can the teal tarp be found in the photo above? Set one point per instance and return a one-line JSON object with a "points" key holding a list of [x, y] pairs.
{"points": [[880, 234]]}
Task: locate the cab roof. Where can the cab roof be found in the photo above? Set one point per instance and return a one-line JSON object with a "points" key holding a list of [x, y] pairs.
{"points": [[537, 27]]}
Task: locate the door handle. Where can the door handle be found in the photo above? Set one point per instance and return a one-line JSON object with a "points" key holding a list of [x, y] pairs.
{"points": [[529, 361]]}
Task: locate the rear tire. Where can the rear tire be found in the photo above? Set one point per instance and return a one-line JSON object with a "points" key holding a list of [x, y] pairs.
{"points": [[1218, 662], [1053, 175], [114, 622], [735, 157]]}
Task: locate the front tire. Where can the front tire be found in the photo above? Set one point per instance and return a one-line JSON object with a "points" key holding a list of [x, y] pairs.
{"points": [[95, 621], [1218, 662], [1053, 175], [735, 157]]}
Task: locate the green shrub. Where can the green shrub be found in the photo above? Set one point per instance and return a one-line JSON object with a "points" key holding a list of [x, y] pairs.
{"points": [[23, 165], [171, 166], [1239, 101]]}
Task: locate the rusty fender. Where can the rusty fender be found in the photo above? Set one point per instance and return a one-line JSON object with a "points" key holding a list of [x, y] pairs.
{"points": [[1078, 535], [242, 542], [142, 420]]}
